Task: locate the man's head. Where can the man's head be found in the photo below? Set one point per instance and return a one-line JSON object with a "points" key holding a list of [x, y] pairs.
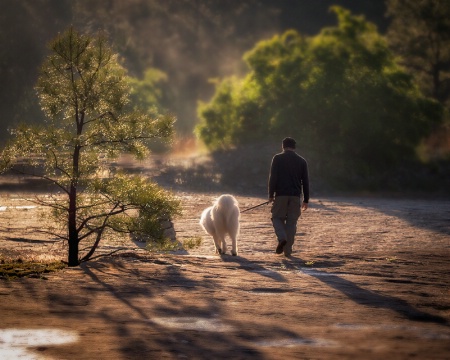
{"points": [[289, 143]]}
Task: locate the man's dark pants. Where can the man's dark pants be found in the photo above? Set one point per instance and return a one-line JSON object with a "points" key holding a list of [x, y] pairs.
{"points": [[285, 213]]}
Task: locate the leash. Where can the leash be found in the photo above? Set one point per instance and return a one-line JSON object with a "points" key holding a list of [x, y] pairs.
{"points": [[254, 207]]}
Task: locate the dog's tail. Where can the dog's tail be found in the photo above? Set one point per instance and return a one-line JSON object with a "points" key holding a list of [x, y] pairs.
{"points": [[228, 210], [227, 201]]}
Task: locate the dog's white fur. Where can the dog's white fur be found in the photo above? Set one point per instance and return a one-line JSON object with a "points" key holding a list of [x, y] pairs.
{"points": [[220, 220]]}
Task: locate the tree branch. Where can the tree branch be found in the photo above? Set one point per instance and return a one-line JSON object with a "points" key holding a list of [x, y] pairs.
{"points": [[98, 216], [42, 177], [101, 255]]}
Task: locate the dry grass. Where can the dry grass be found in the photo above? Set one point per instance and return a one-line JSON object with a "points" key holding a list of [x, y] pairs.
{"points": [[12, 269]]}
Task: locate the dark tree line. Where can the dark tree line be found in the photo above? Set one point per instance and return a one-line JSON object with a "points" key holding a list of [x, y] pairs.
{"points": [[189, 41], [174, 48], [424, 47], [341, 93]]}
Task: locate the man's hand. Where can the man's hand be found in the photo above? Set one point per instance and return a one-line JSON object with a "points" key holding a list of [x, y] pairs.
{"points": [[304, 206], [271, 200]]}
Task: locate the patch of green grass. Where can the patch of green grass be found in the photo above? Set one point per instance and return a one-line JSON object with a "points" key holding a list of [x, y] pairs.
{"points": [[192, 243], [162, 245], [18, 268], [309, 263], [167, 245]]}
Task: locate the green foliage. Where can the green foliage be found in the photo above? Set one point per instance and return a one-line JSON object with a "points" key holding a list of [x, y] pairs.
{"points": [[192, 243], [168, 245], [151, 94], [223, 112], [84, 92], [146, 93], [340, 93], [134, 195]]}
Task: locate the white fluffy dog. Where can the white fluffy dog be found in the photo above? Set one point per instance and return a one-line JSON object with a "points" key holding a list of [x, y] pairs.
{"points": [[220, 220]]}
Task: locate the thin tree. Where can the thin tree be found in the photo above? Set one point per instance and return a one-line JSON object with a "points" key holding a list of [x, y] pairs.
{"points": [[420, 34], [84, 93]]}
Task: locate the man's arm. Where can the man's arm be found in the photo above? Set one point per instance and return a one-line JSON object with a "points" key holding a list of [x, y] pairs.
{"points": [[305, 183], [272, 179]]}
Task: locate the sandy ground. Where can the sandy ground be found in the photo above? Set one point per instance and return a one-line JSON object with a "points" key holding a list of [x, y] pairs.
{"points": [[369, 279]]}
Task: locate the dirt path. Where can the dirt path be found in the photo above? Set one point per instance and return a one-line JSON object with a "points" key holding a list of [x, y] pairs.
{"points": [[369, 279]]}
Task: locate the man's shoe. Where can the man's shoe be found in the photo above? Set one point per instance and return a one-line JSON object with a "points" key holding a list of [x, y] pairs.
{"points": [[280, 246]]}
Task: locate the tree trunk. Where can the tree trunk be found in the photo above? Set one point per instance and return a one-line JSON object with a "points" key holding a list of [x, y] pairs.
{"points": [[73, 259], [72, 224], [437, 94]]}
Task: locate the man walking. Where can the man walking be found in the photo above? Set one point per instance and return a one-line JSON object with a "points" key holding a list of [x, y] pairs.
{"points": [[288, 180]]}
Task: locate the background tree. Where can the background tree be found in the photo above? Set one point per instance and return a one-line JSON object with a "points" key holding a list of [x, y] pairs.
{"points": [[340, 93], [84, 94], [189, 40], [24, 30], [420, 34], [146, 93]]}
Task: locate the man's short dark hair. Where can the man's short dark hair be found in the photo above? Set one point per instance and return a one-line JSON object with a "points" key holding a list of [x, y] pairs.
{"points": [[289, 143]]}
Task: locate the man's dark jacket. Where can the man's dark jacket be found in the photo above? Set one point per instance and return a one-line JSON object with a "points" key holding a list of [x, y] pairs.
{"points": [[288, 175]]}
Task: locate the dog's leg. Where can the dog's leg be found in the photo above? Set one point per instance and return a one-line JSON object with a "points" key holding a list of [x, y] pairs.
{"points": [[234, 246], [220, 244], [234, 232], [220, 228], [224, 246], [217, 244]]}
